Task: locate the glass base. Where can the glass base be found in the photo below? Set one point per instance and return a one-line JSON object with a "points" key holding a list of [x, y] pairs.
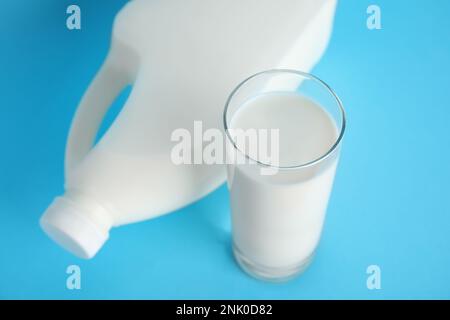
{"points": [[269, 273]]}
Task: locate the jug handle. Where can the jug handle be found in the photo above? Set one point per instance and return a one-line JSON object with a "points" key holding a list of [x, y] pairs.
{"points": [[113, 76]]}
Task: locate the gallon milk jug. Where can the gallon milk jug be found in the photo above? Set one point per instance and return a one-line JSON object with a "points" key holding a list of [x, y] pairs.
{"points": [[183, 57]]}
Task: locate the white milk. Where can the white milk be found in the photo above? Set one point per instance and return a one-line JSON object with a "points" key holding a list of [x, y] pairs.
{"points": [[277, 220]]}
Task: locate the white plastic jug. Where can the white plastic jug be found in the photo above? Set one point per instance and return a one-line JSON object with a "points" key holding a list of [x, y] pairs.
{"points": [[183, 59]]}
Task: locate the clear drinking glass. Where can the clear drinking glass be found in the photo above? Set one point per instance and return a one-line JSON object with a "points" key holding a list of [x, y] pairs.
{"points": [[278, 214]]}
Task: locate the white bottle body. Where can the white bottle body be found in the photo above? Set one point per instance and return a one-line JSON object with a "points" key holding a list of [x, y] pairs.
{"points": [[183, 61]]}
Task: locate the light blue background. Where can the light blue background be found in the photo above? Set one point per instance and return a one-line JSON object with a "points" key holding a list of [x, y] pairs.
{"points": [[391, 201]]}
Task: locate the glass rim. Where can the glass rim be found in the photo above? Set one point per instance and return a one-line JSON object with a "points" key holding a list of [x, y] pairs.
{"points": [[305, 75]]}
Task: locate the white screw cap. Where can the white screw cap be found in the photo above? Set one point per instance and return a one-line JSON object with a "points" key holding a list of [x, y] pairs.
{"points": [[76, 226]]}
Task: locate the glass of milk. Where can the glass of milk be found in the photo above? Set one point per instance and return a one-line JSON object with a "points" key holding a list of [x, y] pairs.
{"points": [[278, 202]]}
